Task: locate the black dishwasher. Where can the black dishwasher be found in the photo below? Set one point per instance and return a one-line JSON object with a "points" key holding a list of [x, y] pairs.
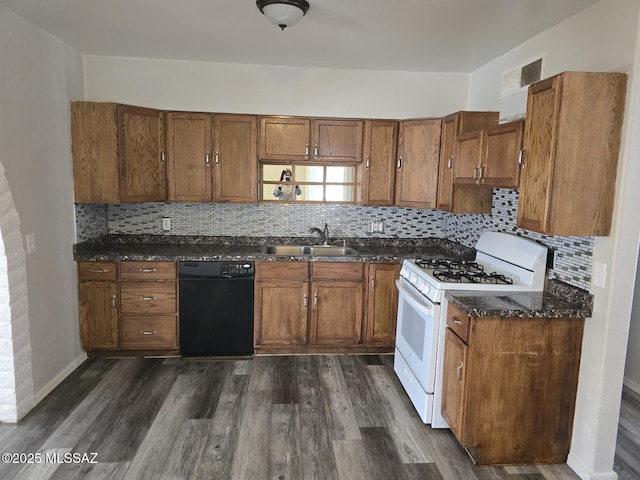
{"points": [[216, 308]]}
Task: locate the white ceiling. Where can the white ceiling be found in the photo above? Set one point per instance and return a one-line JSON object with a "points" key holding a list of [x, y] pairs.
{"points": [[402, 35]]}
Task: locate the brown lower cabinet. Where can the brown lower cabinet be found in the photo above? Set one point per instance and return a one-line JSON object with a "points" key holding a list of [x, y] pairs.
{"points": [[509, 386], [308, 306], [128, 306]]}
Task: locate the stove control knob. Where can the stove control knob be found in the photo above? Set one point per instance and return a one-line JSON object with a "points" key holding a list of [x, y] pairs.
{"points": [[404, 272], [413, 278]]}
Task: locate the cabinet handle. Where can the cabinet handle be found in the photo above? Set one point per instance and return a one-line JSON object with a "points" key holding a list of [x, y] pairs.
{"points": [[315, 151], [147, 299], [148, 270], [450, 162], [399, 163], [304, 301], [367, 164], [521, 156], [207, 159], [481, 173], [306, 151], [373, 283], [148, 332], [162, 156], [455, 320], [114, 304], [315, 300], [459, 372], [217, 158], [475, 173], [98, 270]]}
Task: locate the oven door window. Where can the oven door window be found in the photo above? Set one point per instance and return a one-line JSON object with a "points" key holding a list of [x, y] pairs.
{"points": [[417, 337]]}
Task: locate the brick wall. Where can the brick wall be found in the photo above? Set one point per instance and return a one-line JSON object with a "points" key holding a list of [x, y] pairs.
{"points": [[16, 382]]}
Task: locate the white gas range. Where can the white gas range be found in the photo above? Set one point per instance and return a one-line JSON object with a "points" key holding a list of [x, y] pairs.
{"points": [[504, 262]]}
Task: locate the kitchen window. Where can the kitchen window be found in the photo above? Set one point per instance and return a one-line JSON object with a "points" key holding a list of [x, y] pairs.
{"points": [[308, 183]]}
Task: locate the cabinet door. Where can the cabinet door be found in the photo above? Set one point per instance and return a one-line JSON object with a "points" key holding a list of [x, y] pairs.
{"points": [[336, 313], [280, 312], [503, 148], [337, 140], [189, 157], [445, 168], [94, 140], [417, 166], [535, 177], [380, 147], [142, 155], [469, 148], [453, 384], [98, 314], [284, 138], [235, 169], [382, 304]]}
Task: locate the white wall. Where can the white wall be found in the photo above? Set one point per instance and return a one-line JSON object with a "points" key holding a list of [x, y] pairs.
{"points": [[632, 366], [601, 38], [39, 76], [235, 88]]}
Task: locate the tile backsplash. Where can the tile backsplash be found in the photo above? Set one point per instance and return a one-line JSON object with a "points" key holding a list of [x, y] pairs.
{"points": [[573, 259]]}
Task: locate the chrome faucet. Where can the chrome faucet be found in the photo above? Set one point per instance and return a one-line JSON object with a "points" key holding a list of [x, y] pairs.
{"points": [[324, 234]]}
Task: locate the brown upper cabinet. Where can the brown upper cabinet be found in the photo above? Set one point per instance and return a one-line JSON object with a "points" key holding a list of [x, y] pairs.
{"points": [[118, 153], [305, 139], [461, 198], [142, 155], [417, 164], [379, 172], [189, 156], [235, 164], [571, 145], [490, 157]]}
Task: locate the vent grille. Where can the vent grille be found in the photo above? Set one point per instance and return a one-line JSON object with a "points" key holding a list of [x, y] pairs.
{"points": [[518, 79]]}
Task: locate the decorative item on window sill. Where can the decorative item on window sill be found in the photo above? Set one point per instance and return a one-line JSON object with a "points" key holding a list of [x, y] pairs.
{"points": [[283, 13]]}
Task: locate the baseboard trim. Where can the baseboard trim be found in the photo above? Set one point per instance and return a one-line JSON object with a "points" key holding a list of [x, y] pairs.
{"points": [[57, 380], [585, 474]]}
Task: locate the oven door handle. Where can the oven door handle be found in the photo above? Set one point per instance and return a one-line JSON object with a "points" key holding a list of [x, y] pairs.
{"points": [[417, 303]]}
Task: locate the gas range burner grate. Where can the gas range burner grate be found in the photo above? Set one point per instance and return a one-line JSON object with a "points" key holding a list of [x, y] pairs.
{"points": [[449, 265], [468, 276]]}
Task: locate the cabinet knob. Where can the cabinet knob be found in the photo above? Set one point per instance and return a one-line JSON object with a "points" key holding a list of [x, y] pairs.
{"points": [[459, 372], [304, 301], [162, 156], [217, 158], [148, 332], [399, 163], [147, 299], [450, 162], [148, 270], [367, 163], [114, 304], [456, 321], [306, 151], [207, 159]]}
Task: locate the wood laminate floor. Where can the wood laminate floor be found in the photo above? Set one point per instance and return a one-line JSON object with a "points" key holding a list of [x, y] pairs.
{"points": [[280, 418]]}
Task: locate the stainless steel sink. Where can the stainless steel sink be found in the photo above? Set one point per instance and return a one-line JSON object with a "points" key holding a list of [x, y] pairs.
{"points": [[287, 249], [323, 250], [333, 251]]}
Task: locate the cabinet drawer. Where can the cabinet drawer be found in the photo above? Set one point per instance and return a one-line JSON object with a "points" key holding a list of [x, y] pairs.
{"points": [[458, 321], [146, 298], [337, 271], [282, 270], [105, 271], [149, 332], [148, 270]]}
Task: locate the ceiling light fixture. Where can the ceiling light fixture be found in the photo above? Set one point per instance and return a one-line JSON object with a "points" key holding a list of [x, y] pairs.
{"points": [[283, 13]]}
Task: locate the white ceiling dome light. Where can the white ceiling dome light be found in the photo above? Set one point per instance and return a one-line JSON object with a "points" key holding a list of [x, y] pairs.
{"points": [[283, 13]]}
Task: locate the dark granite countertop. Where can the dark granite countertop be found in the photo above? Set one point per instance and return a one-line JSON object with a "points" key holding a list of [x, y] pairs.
{"points": [[559, 300], [197, 248]]}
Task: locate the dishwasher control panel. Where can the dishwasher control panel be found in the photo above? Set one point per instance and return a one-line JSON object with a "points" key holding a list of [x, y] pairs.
{"points": [[238, 269]]}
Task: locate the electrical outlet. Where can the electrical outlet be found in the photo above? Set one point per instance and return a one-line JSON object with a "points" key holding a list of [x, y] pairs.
{"points": [[599, 276], [377, 227], [166, 224]]}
